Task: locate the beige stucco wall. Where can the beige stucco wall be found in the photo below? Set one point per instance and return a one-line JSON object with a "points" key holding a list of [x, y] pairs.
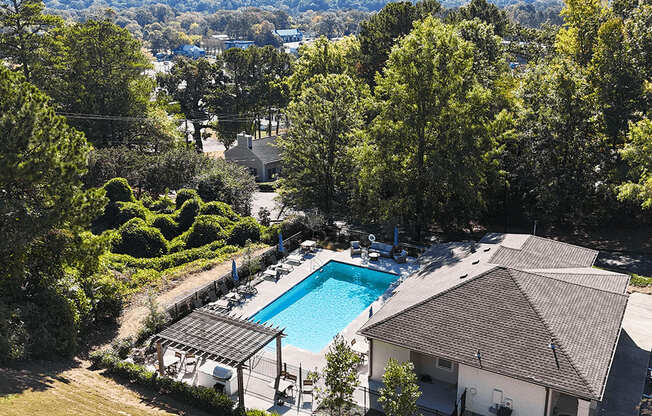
{"points": [[382, 352], [529, 399], [427, 364]]}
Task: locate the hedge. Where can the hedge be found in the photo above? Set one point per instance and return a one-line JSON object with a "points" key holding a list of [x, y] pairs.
{"points": [[202, 397], [118, 189], [245, 229], [137, 239], [122, 261], [184, 195], [129, 210], [163, 205], [188, 212], [167, 225], [205, 230], [219, 208]]}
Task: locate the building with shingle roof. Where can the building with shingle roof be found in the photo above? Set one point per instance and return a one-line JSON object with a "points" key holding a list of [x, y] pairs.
{"points": [[261, 156], [491, 323]]}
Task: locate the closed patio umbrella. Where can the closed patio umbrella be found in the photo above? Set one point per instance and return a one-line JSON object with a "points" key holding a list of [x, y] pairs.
{"points": [[280, 242], [234, 271], [395, 236], [371, 311]]}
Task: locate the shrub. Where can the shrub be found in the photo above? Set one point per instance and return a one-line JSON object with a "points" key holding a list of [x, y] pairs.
{"points": [[167, 225], [186, 215], [118, 189], [108, 298], [227, 182], [163, 205], [122, 347], [129, 210], [203, 397], [178, 244], [219, 208], [205, 230], [245, 229], [139, 240], [184, 195]]}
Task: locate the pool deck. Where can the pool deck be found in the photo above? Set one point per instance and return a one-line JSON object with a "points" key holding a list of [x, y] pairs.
{"points": [[269, 291]]}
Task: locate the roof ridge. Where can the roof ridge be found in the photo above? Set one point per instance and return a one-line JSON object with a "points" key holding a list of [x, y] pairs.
{"points": [[565, 243], [552, 333], [571, 283], [436, 295]]}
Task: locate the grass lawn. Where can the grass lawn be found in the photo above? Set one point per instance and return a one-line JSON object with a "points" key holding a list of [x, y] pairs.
{"points": [[71, 388], [640, 281]]}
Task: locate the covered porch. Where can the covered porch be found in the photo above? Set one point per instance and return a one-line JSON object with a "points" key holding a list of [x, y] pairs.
{"points": [[216, 344]]}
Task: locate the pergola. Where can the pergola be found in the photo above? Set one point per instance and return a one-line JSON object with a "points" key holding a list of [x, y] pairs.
{"points": [[222, 338]]}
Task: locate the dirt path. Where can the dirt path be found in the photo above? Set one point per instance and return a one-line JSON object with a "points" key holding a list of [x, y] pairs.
{"points": [[131, 319]]}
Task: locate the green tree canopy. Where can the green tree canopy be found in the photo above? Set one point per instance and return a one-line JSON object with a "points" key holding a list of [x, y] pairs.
{"points": [[400, 391], [430, 134], [318, 151], [48, 291], [638, 154]]}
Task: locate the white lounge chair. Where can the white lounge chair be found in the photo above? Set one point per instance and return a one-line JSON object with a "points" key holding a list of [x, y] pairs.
{"points": [[294, 258]]}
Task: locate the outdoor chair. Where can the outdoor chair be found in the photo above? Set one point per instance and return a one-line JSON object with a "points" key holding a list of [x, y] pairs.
{"points": [[190, 360], [355, 248], [308, 387], [285, 267], [401, 257], [295, 258]]}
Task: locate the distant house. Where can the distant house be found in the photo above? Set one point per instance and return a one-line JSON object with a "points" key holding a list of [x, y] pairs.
{"points": [[513, 325], [241, 44], [290, 35], [190, 51], [261, 156]]}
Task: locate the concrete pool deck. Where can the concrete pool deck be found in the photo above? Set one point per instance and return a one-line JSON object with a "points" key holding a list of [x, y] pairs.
{"points": [[269, 291]]}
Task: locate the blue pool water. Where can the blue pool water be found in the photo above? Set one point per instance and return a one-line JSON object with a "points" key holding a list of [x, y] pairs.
{"points": [[324, 303]]}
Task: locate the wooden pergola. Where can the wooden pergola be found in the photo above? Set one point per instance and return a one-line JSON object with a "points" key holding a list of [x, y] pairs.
{"points": [[222, 338]]}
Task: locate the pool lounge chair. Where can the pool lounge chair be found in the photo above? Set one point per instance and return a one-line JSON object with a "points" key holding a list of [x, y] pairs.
{"points": [[285, 267], [356, 248], [401, 257], [295, 259]]}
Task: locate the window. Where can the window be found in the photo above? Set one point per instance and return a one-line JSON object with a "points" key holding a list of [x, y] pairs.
{"points": [[444, 364]]}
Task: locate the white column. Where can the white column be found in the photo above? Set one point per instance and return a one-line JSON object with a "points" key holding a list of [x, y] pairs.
{"points": [[583, 407]]}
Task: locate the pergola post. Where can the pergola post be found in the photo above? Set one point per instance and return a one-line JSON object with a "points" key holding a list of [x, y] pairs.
{"points": [[159, 353], [279, 357], [240, 388]]}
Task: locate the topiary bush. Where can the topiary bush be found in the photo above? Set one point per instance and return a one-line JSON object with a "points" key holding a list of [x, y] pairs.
{"points": [[163, 205], [167, 225], [118, 189], [219, 208], [184, 195], [188, 212], [205, 230], [137, 239], [128, 210], [245, 229]]}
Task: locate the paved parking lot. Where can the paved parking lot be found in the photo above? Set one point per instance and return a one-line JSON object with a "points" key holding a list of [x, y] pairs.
{"points": [[627, 378]]}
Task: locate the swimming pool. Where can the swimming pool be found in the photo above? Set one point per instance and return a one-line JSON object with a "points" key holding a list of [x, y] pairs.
{"points": [[324, 303]]}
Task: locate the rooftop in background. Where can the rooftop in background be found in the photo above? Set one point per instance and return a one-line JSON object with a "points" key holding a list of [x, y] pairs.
{"points": [[464, 299]]}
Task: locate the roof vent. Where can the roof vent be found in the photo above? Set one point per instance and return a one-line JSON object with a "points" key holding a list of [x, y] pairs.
{"points": [[465, 275]]}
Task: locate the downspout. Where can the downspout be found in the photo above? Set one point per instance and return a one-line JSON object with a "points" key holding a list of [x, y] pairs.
{"points": [[545, 407]]}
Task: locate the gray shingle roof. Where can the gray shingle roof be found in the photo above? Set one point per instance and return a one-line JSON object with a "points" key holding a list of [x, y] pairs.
{"points": [[538, 253], [611, 282], [510, 316], [266, 150]]}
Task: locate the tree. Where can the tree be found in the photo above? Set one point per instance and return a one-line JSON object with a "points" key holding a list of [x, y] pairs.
{"points": [[47, 289], [582, 19], [26, 38], [431, 133], [227, 182], [340, 377], [103, 74], [190, 82], [638, 154], [560, 154], [318, 151], [400, 391], [486, 12], [323, 57], [616, 79]]}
